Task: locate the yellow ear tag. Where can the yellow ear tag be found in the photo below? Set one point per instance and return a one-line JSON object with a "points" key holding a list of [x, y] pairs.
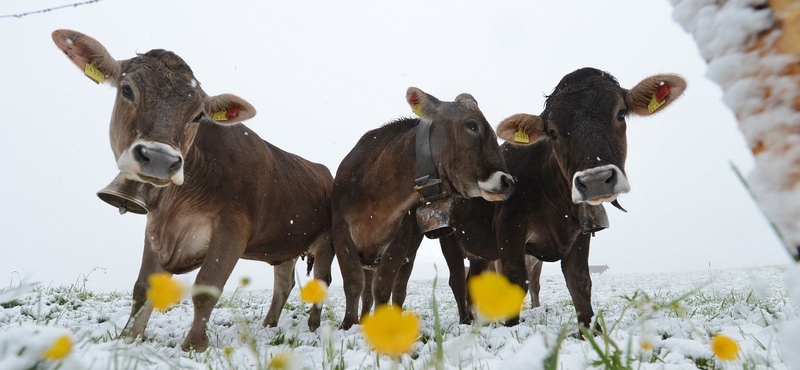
{"points": [[220, 115], [417, 110], [92, 72], [659, 98], [655, 104], [521, 137]]}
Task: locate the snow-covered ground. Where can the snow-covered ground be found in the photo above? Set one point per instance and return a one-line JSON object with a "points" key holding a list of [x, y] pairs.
{"points": [[749, 305]]}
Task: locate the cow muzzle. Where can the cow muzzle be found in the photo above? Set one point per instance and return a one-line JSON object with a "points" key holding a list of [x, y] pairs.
{"points": [[498, 187], [599, 184], [152, 162]]}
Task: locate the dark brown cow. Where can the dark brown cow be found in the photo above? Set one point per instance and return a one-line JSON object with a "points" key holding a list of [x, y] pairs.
{"points": [[574, 158], [374, 198], [219, 192]]}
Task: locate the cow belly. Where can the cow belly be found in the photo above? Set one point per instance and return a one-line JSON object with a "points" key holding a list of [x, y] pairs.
{"points": [[181, 247]]}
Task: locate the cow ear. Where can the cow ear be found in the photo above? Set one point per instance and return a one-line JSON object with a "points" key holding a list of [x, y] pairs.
{"points": [[422, 103], [655, 93], [228, 108], [88, 54], [521, 129]]}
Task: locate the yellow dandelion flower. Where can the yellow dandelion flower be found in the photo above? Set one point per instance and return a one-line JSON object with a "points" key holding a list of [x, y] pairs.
{"points": [[164, 291], [647, 342], [314, 292], [60, 348], [725, 348], [494, 297], [391, 331], [282, 361]]}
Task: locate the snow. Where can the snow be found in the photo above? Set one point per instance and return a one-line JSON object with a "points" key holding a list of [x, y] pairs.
{"points": [[737, 38], [714, 302]]}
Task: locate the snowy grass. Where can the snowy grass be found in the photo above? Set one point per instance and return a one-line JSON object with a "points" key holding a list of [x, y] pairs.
{"points": [[650, 322]]}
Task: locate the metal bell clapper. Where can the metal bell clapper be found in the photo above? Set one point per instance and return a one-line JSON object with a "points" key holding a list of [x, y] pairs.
{"points": [[592, 218], [434, 218], [126, 195]]}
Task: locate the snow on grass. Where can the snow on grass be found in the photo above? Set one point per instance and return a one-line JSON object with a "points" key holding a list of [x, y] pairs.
{"points": [[674, 314]]}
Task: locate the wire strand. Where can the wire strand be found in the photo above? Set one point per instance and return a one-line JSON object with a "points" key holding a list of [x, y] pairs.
{"points": [[49, 9]]}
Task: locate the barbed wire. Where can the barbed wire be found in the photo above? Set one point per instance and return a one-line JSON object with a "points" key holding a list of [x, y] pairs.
{"points": [[49, 9]]}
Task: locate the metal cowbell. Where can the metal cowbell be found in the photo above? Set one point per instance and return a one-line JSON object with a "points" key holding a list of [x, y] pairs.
{"points": [[434, 218], [126, 195]]}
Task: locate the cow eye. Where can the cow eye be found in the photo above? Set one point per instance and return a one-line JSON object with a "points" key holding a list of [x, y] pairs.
{"points": [[473, 126], [199, 117], [127, 92], [621, 114], [553, 134]]}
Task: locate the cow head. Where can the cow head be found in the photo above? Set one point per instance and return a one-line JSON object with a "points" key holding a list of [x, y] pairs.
{"points": [[584, 120], [463, 146], [158, 108]]}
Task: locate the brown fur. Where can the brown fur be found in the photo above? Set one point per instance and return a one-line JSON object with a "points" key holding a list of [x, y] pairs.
{"points": [[241, 198], [579, 128], [374, 199]]}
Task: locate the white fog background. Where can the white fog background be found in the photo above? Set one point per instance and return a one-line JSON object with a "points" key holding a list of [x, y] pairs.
{"points": [[321, 74]]}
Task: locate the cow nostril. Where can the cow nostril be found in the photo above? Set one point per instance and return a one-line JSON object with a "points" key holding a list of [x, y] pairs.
{"points": [[612, 178], [579, 184], [140, 154], [176, 165], [506, 183]]}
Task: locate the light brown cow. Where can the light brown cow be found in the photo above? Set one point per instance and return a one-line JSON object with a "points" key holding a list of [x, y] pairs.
{"points": [[374, 198], [219, 192]]}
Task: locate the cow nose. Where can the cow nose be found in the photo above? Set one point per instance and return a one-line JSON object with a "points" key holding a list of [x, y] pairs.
{"points": [[506, 184], [596, 183], [156, 161]]}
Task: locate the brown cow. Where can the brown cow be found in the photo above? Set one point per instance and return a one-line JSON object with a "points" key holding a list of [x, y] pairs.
{"points": [[219, 192], [374, 197], [573, 160]]}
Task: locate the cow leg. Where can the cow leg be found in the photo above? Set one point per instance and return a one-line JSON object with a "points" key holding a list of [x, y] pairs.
{"points": [[227, 243], [454, 257], [511, 247], [413, 239], [352, 273], [323, 253], [393, 259], [141, 310], [534, 267], [366, 294], [400, 288], [477, 266], [575, 266], [281, 287]]}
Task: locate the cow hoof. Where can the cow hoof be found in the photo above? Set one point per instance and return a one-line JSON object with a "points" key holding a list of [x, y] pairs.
{"points": [[195, 342], [347, 323], [268, 323]]}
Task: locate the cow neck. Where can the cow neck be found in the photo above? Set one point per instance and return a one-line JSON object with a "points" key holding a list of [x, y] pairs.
{"points": [[428, 185]]}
